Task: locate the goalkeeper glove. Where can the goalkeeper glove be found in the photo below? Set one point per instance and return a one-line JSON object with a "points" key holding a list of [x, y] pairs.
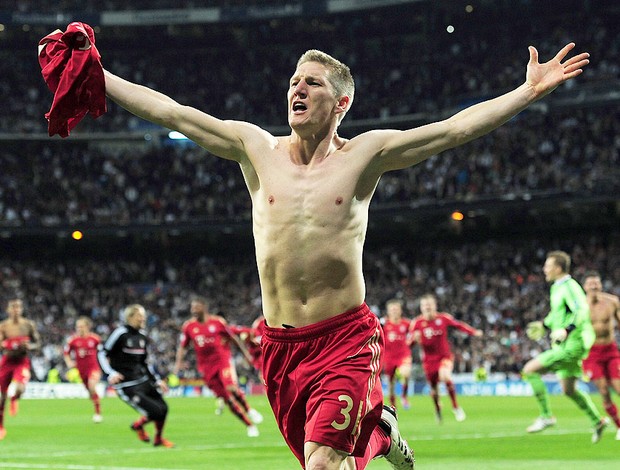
{"points": [[535, 330], [559, 335]]}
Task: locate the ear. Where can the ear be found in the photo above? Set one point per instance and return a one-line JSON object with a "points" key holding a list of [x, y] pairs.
{"points": [[343, 104]]}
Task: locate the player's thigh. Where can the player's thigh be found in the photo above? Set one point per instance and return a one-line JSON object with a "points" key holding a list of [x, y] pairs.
{"points": [[445, 369], [405, 368]]}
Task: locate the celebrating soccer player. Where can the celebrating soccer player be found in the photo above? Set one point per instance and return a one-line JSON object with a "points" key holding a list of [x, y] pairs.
{"points": [[397, 361], [571, 338], [212, 339], [81, 352], [603, 363], [18, 336], [430, 329]]}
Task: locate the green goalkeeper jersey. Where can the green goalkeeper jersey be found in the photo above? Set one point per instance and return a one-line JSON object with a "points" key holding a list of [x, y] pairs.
{"points": [[569, 309]]}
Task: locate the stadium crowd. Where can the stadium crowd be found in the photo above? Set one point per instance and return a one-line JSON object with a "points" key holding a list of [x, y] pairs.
{"points": [[496, 286], [172, 183], [162, 183]]}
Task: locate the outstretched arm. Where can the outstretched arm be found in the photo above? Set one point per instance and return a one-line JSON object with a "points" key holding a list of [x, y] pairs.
{"points": [[222, 138], [405, 148]]}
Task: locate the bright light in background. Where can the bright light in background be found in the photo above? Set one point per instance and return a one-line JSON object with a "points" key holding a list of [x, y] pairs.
{"points": [[77, 235], [450, 29], [469, 8], [457, 215], [176, 135]]}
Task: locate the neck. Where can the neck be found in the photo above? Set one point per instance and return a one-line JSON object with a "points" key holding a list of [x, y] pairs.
{"points": [[305, 149]]}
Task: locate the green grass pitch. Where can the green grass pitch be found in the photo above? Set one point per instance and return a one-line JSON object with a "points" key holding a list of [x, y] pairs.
{"points": [[59, 434]]}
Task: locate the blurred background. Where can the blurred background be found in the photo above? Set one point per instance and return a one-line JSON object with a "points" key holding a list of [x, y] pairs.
{"points": [[121, 211]]}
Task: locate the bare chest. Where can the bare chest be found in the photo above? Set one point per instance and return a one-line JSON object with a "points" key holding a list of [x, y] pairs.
{"points": [[11, 329]]}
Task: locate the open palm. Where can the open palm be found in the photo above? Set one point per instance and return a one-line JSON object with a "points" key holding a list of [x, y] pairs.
{"points": [[544, 78]]}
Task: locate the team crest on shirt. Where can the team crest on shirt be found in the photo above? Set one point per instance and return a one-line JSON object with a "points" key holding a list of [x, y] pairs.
{"points": [[212, 329]]}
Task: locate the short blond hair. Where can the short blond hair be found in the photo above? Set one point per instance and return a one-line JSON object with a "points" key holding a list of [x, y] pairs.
{"points": [[339, 73], [561, 259], [132, 310]]}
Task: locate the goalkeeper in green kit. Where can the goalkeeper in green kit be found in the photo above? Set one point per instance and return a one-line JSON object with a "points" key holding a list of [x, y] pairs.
{"points": [[571, 336]]}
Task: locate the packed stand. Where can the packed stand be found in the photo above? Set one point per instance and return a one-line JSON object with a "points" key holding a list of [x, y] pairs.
{"points": [[241, 70], [497, 286], [52, 183]]}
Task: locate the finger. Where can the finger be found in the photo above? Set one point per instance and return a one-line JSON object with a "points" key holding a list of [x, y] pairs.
{"points": [[581, 58], [533, 55], [564, 51]]}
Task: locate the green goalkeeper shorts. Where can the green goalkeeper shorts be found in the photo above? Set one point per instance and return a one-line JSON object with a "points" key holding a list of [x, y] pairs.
{"points": [[564, 359]]}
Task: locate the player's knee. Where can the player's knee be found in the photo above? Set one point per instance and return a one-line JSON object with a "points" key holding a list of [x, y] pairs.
{"points": [[321, 457], [160, 412]]}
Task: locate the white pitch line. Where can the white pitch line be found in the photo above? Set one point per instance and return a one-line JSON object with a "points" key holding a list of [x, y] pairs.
{"points": [[146, 450], [494, 435], [19, 465]]}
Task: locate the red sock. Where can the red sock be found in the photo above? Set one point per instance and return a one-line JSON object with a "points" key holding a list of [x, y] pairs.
{"points": [[613, 412], [2, 405], [95, 398], [237, 410], [452, 393], [379, 444]]}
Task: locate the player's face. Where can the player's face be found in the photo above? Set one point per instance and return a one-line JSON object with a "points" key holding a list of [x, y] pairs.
{"points": [[198, 309], [138, 320], [428, 307], [15, 308], [311, 96], [551, 270], [394, 312], [81, 327], [593, 284]]}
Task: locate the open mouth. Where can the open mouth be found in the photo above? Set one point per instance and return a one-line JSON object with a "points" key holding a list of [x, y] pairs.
{"points": [[299, 107]]}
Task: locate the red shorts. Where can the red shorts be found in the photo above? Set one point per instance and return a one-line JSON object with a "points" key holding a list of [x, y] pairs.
{"points": [[602, 362], [392, 363], [85, 374], [431, 367], [16, 370], [323, 381], [219, 377]]}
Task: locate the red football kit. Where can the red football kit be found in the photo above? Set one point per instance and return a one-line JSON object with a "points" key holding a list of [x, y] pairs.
{"points": [[83, 350], [397, 350], [434, 341], [602, 362], [14, 368], [211, 340], [255, 349], [311, 397]]}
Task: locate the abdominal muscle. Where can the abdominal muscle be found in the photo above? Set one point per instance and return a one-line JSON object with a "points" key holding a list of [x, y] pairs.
{"points": [[309, 270]]}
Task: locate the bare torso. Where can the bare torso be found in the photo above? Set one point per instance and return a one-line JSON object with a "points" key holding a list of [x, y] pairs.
{"points": [[13, 329], [309, 222], [604, 314]]}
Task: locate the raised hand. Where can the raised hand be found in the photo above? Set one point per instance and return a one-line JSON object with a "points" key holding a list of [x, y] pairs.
{"points": [[544, 78]]}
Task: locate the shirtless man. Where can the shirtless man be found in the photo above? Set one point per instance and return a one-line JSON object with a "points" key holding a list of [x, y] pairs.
{"points": [[602, 365], [18, 336], [310, 192]]}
